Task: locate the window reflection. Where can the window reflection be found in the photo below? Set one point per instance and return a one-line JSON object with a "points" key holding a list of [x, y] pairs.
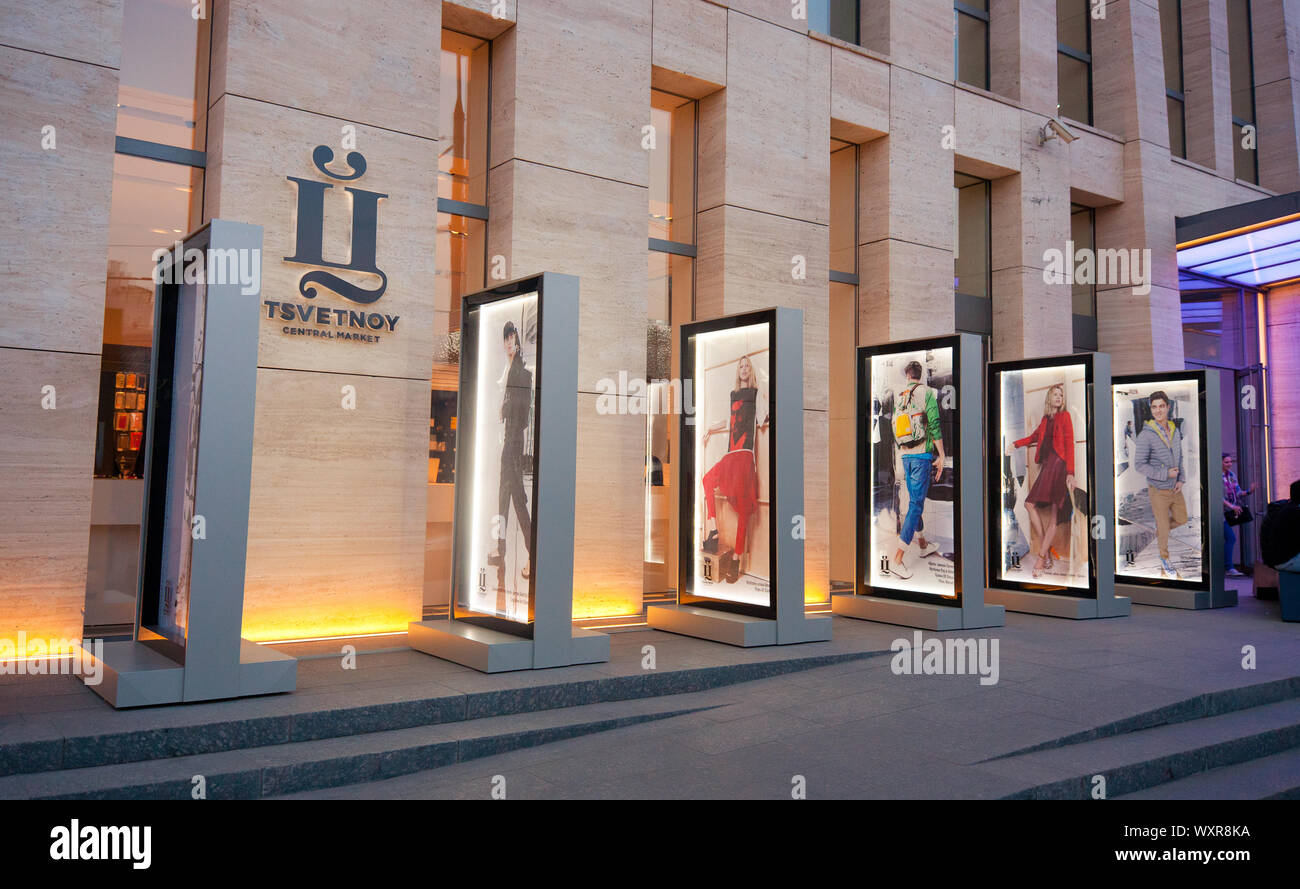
{"points": [[972, 42], [154, 204], [463, 118], [843, 221], [672, 168], [1083, 230], [162, 93], [1074, 60], [971, 266]]}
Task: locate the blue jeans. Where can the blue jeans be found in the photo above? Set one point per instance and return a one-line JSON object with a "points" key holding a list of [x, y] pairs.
{"points": [[1229, 544], [917, 471]]}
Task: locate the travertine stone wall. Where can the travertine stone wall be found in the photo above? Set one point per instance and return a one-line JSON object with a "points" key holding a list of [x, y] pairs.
{"points": [[569, 193], [59, 68], [762, 224], [337, 514]]}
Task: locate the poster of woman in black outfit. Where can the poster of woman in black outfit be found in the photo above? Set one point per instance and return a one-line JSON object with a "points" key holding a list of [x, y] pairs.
{"points": [[499, 568]]}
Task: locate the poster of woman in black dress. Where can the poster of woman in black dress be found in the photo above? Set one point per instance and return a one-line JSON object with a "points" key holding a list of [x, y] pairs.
{"points": [[733, 420], [1045, 522], [501, 534]]}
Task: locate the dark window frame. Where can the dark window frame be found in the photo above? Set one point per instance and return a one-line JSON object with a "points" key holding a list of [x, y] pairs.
{"points": [[960, 9], [1082, 55]]}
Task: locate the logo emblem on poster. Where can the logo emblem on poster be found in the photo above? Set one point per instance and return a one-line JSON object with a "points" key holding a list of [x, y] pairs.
{"points": [[311, 231]]}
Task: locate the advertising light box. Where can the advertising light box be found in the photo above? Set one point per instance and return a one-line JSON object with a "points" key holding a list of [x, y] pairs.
{"points": [[727, 560], [493, 581], [516, 476], [1168, 522], [910, 495], [919, 529], [1041, 498], [1051, 487], [740, 545]]}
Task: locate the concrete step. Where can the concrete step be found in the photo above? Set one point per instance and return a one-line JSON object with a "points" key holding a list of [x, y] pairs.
{"points": [[274, 770], [1146, 758], [159, 733], [1270, 777], [1213, 703]]}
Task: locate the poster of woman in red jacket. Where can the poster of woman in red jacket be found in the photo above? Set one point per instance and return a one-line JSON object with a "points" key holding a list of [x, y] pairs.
{"points": [[732, 425], [1045, 521]]}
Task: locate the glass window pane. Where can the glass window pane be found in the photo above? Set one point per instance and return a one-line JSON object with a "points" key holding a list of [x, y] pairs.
{"points": [[669, 282], [843, 227], [162, 93], [837, 18], [153, 205], [672, 168], [971, 260], [1083, 233], [1171, 43], [463, 118], [1213, 326], [972, 51], [1072, 24], [1239, 60], [1072, 89], [1177, 127], [1244, 159]]}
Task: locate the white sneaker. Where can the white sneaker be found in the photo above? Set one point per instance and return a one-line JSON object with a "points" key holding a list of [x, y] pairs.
{"points": [[1233, 572], [900, 569], [928, 550]]}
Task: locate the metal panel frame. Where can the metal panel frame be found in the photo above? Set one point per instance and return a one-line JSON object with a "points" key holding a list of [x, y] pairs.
{"points": [[968, 524], [493, 645], [1099, 599], [1211, 592]]}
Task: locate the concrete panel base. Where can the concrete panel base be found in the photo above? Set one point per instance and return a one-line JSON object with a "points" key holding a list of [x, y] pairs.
{"points": [[921, 615], [492, 651], [135, 675], [1053, 605], [733, 629], [1174, 598]]}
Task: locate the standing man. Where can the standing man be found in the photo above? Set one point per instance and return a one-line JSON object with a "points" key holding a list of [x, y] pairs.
{"points": [[1233, 500], [920, 439], [516, 403], [1158, 455]]}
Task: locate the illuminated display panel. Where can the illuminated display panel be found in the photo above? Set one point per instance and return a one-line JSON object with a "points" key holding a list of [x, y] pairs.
{"points": [[496, 463], [909, 490], [1040, 497], [727, 558], [1161, 490], [175, 402]]}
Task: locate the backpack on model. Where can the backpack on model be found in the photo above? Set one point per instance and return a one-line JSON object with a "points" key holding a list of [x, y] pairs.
{"points": [[909, 420]]}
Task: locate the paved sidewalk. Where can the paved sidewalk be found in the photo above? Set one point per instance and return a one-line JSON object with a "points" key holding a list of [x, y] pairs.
{"points": [[856, 730]]}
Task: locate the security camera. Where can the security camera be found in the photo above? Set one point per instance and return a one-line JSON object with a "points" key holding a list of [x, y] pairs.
{"points": [[1056, 129]]}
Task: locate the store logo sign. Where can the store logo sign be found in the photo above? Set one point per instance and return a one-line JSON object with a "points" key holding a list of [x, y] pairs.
{"points": [[311, 231]]}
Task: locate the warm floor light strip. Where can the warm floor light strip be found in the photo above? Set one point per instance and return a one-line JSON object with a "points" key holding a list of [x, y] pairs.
{"points": [[332, 638]]}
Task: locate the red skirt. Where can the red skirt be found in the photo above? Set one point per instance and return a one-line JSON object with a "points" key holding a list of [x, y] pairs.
{"points": [[734, 477], [1049, 488]]}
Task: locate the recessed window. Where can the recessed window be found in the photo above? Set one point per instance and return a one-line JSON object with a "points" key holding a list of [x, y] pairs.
{"points": [[1241, 68], [971, 42], [162, 93], [1083, 232], [1171, 43], [1074, 60], [835, 18]]}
